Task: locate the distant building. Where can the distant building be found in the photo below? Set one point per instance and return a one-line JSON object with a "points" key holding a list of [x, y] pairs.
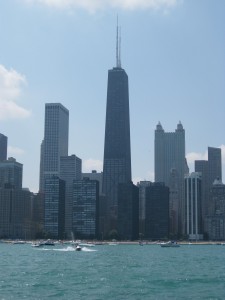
{"points": [[38, 214], [70, 170], [142, 203], [210, 170], [174, 203], [94, 175], [193, 206], [3, 147], [117, 153], [55, 143], [85, 209], [54, 220], [170, 159], [128, 211], [215, 220], [16, 214], [157, 212], [11, 173], [215, 164]]}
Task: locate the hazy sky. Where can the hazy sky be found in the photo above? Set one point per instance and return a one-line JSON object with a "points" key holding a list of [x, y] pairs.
{"points": [[61, 50]]}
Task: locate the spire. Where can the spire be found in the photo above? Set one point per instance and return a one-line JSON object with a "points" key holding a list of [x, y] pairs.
{"points": [[118, 45]]}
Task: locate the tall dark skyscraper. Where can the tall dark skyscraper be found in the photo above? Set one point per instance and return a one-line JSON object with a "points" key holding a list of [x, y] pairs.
{"points": [[117, 154]]}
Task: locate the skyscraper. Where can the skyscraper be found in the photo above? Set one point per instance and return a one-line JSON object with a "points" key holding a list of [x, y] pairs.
{"points": [[210, 170], [117, 154], [170, 160], [70, 170], [53, 147], [193, 206], [3, 147], [11, 174], [157, 211], [55, 143], [215, 164]]}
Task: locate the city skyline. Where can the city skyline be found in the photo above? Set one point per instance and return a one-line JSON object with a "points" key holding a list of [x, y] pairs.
{"points": [[62, 55]]}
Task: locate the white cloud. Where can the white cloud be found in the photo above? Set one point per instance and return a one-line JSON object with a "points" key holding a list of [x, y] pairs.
{"points": [[92, 164], [15, 151], [192, 156], [94, 5], [11, 83]]}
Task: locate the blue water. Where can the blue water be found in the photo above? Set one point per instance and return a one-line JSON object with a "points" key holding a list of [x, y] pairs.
{"points": [[112, 272]]}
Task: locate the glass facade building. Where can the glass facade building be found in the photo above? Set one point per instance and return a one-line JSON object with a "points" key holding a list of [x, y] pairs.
{"points": [[117, 153], [54, 220], [55, 143], [85, 208], [70, 170]]}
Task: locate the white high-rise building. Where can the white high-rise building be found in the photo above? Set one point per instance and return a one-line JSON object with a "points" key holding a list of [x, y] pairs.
{"points": [[193, 206]]}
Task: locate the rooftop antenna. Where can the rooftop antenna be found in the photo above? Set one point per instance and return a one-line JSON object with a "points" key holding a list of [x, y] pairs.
{"points": [[118, 45]]}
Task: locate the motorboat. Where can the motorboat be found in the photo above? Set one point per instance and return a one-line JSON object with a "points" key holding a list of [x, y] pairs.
{"points": [[78, 248], [48, 243], [170, 244]]}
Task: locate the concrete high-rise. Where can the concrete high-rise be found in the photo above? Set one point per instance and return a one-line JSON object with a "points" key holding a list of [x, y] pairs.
{"points": [[169, 160], [55, 143], [117, 153], [3, 147]]}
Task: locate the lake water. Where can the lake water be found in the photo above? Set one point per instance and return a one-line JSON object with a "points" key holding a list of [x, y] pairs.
{"points": [[112, 272]]}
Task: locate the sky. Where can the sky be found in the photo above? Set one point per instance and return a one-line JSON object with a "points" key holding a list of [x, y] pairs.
{"points": [[61, 50]]}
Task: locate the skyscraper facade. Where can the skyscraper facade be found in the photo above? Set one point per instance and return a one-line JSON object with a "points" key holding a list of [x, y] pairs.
{"points": [[170, 160], [215, 164], [128, 211], [70, 170], [117, 153], [11, 174], [55, 142], [210, 170], [193, 206], [215, 220], [85, 208], [3, 147], [157, 211], [54, 219]]}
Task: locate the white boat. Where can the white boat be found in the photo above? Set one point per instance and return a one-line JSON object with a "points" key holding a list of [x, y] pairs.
{"points": [[170, 244], [78, 248]]}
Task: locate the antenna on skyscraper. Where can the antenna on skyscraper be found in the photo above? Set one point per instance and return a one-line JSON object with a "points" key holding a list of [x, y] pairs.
{"points": [[118, 45]]}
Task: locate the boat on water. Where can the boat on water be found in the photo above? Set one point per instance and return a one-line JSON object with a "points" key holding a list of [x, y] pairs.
{"points": [[43, 243], [78, 248], [170, 244]]}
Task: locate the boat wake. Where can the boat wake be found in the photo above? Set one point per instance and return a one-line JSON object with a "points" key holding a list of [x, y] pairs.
{"points": [[68, 249]]}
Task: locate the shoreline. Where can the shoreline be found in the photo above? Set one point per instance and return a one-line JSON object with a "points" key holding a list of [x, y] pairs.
{"points": [[106, 242]]}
